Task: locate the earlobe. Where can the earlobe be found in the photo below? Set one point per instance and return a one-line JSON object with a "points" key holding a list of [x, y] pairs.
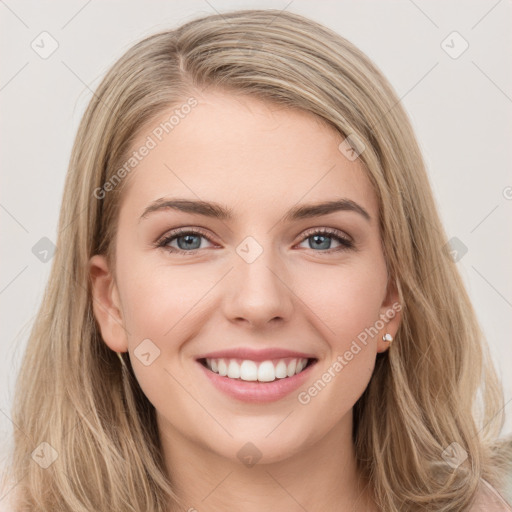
{"points": [[106, 305], [391, 317]]}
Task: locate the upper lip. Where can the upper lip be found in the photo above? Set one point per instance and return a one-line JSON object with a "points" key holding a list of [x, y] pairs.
{"points": [[255, 355]]}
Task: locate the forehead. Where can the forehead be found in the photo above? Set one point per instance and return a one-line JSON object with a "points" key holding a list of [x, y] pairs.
{"points": [[244, 152]]}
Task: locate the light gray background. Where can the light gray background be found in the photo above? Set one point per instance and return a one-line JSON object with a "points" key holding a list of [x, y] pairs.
{"points": [[461, 110]]}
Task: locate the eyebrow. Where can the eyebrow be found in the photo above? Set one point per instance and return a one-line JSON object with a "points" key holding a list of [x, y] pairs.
{"points": [[218, 211]]}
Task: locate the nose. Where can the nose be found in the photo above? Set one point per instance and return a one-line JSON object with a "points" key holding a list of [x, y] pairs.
{"points": [[258, 292]]}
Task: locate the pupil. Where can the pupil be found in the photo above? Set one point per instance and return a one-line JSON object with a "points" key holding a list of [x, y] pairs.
{"points": [[326, 243], [187, 242]]}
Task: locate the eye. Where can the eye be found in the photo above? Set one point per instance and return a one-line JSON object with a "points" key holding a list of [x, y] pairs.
{"points": [[319, 239], [189, 240]]}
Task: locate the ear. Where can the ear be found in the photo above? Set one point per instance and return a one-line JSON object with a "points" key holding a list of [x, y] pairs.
{"points": [[390, 314], [106, 304]]}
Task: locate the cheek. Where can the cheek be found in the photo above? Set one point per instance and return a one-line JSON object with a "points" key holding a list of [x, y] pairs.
{"points": [[347, 299], [347, 302], [160, 308], [158, 302], [349, 305]]}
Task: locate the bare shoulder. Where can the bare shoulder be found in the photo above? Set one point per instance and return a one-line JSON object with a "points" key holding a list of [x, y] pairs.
{"points": [[489, 499]]}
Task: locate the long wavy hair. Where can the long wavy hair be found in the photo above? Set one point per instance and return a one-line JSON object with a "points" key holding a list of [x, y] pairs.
{"points": [[433, 393]]}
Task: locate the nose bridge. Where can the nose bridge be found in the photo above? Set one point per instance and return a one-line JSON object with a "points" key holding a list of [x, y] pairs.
{"points": [[259, 292]]}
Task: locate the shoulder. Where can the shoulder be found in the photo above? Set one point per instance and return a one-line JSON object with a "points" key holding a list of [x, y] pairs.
{"points": [[488, 499]]}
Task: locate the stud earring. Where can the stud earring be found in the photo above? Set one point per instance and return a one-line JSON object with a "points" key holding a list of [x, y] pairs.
{"points": [[387, 337]]}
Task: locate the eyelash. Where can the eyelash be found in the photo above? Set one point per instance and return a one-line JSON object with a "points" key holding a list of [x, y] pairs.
{"points": [[346, 244]]}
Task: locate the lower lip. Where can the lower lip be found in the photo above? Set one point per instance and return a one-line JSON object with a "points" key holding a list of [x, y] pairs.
{"points": [[254, 391]]}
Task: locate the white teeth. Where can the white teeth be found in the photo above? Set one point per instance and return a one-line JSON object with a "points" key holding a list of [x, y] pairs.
{"points": [[248, 370], [233, 370], [223, 369], [266, 371], [281, 370]]}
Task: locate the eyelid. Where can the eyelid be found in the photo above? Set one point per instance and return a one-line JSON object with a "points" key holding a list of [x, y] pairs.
{"points": [[327, 231], [181, 231], [175, 233]]}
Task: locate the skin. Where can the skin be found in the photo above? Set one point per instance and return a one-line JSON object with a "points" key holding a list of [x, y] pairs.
{"points": [[260, 160]]}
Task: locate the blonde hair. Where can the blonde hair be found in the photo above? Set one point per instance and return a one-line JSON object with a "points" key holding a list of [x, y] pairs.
{"points": [[434, 387]]}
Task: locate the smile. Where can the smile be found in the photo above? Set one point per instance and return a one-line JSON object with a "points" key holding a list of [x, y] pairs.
{"points": [[248, 381], [264, 371]]}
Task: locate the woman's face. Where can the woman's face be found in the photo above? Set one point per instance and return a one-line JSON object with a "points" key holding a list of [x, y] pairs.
{"points": [[258, 278]]}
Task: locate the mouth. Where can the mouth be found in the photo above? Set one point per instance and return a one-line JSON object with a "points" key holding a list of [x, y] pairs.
{"points": [[257, 371], [257, 382]]}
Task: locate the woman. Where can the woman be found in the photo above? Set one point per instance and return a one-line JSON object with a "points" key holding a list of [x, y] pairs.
{"points": [[258, 366]]}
